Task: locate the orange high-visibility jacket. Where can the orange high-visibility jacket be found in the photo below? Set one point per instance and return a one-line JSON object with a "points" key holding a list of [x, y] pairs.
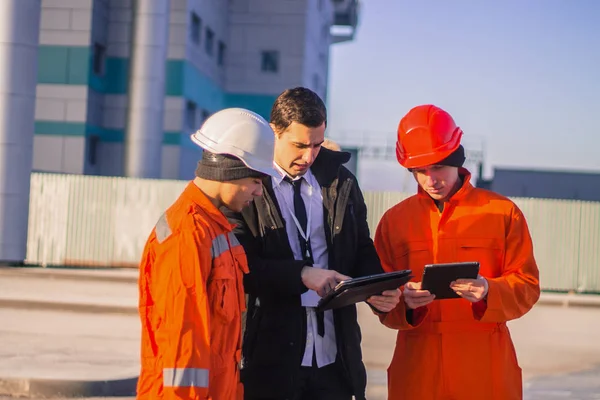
{"points": [[454, 349], [191, 301]]}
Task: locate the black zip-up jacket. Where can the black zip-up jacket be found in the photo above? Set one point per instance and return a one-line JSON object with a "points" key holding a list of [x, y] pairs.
{"points": [[275, 335]]}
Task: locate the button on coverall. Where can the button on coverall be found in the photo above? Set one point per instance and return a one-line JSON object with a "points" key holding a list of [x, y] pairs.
{"points": [[455, 349], [191, 301]]}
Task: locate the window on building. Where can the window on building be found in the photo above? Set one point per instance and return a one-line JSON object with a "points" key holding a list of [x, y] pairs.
{"points": [[209, 41], [205, 115], [99, 58], [323, 59], [221, 53], [326, 31], [316, 82], [93, 141], [190, 114], [270, 61], [196, 28]]}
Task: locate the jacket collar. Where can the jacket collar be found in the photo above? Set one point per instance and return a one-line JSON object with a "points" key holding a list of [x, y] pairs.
{"points": [[326, 165], [464, 190], [197, 196]]}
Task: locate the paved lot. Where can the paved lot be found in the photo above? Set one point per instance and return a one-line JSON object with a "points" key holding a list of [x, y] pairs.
{"points": [[557, 347]]}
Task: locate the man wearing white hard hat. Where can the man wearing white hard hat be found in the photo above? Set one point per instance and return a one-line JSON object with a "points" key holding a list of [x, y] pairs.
{"points": [[191, 274]]}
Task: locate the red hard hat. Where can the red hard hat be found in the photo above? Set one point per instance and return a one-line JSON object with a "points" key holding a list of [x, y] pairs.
{"points": [[426, 135]]}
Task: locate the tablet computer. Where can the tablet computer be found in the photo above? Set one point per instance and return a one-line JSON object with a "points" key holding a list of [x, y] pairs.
{"points": [[355, 290], [437, 277]]}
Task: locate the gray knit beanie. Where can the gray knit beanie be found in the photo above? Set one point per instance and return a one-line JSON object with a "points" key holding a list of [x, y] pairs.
{"points": [[224, 167]]}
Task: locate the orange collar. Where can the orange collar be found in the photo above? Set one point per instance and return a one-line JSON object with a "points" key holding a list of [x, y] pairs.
{"points": [[197, 196], [464, 190]]}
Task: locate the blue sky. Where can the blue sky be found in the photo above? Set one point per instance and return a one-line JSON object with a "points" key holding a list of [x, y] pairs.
{"points": [[521, 76]]}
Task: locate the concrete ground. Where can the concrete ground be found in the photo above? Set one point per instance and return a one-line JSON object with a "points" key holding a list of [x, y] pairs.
{"points": [[81, 330]]}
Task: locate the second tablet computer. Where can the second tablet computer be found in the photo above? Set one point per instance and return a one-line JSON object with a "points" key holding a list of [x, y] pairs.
{"points": [[437, 277], [360, 289]]}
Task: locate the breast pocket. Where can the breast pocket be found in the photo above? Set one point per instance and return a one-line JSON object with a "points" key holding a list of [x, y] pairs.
{"points": [[414, 256], [223, 293], [488, 252]]}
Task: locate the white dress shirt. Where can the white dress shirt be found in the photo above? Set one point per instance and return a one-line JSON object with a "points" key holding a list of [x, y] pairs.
{"points": [[325, 347]]}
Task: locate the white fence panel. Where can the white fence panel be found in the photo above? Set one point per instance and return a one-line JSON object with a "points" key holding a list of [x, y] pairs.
{"points": [[94, 221], [105, 221]]}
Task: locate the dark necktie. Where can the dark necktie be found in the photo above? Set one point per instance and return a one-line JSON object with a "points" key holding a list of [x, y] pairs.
{"points": [[300, 212]]}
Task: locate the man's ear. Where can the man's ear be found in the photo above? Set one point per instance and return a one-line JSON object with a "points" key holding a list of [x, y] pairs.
{"points": [[278, 131]]}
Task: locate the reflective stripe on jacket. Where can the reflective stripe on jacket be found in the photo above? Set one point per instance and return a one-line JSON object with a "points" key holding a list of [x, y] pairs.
{"points": [[191, 301]]}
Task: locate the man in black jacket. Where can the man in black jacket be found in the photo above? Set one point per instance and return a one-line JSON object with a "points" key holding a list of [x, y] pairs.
{"points": [[306, 234]]}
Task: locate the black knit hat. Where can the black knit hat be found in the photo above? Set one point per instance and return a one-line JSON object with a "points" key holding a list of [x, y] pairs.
{"points": [[455, 159], [224, 167]]}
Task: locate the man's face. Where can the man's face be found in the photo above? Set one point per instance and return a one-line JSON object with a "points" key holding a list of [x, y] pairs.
{"points": [[297, 147], [238, 194], [439, 181]]}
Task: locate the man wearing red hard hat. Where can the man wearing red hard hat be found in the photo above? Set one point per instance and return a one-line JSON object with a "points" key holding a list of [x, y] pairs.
{"points": [[454, 348]]}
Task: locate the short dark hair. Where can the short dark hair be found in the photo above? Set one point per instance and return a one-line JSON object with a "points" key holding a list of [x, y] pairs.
{"points": [[300, 105]]}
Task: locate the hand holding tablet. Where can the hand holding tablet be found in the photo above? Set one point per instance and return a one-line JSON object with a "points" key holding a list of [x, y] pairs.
{"points": [[437, 278]]}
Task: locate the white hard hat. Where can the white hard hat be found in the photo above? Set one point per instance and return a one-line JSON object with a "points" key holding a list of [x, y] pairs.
{"points": [[241, 133]]}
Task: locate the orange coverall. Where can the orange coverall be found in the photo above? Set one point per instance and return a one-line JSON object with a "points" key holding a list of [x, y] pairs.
{"points": [[454, 349], [191, 301]]}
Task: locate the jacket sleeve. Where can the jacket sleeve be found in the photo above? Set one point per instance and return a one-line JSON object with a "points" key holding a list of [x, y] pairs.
{"points": [[401, 317], [175, 350], [367, 260], [267, 277], [515, 292], [149, 374]]}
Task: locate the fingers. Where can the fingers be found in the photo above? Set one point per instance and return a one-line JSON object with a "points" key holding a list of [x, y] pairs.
{"points": [[331, 280], [472, 286], [470, 296], [466, 281], [377, 301], [320, 280], [341, 277], [469, 289], [385, 299], [323, 290], [328, 285], [462, 287], [413, 289], [416, 293], [418, 301], [382, 305], [392, 293], [414, 297], [413, 285]]}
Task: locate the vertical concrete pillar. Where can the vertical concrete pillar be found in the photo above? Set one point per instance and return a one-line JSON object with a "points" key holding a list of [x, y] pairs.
{"points": [[144, 134], [19, 39]]}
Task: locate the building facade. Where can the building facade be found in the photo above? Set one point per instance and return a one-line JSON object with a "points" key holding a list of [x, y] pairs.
{"points": [[122, 83]]}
